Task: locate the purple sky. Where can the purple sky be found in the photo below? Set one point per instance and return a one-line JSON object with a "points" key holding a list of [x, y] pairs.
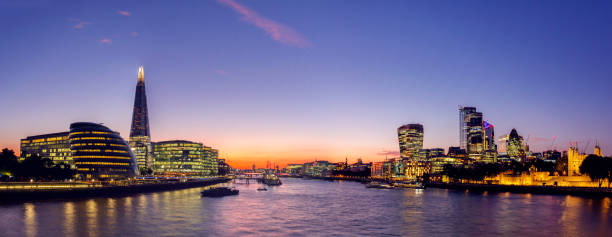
{"points": [[291, 81]]}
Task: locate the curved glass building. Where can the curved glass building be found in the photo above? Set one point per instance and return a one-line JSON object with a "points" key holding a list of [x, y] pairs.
{"points": [[410, 138], [100, 153]]}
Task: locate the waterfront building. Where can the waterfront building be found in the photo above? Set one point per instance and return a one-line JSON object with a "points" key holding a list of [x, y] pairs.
{"points": [[100, 153], [376, 171], [295, 169], [183, 158], [211, 160], [140, 136], [416, 169], [53, 146], [410, 138], [319, 168], [575, 158]]}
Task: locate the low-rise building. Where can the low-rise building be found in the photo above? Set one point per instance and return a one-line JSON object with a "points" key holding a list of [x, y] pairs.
{"points": [[53, 146], [184, 158]]}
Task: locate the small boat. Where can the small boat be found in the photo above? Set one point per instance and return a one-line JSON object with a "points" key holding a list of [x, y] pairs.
{"points": [[262, 189], [219, 192], [378, 185], [415, 185]]}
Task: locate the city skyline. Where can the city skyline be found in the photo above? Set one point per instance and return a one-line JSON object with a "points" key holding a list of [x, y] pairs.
{"points": [[292, 107]]}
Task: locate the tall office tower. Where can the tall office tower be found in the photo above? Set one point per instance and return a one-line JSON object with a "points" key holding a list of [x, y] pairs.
{"points": [[140, 136], [410, 138], [489, 136], [490, 154], [471, 132], [515, 145]]}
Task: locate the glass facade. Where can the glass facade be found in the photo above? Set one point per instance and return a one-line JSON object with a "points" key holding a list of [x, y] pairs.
{"points": [[54, 146], [184, 158], [140, 135], [100, 153], [471, 132], [410, 138], [514, 145]]}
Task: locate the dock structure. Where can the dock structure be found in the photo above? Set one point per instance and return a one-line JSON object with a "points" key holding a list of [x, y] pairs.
{"points": [[25, 191]]}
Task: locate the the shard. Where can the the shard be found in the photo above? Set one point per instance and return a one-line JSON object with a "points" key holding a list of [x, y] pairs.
{"points": [[140, 136]]}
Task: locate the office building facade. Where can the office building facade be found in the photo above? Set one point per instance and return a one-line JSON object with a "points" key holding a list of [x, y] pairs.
{"points": [[471, 132], [184, 158], [410, 138], [53, 146]]}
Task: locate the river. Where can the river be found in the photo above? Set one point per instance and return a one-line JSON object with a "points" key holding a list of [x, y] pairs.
{"points": [[312, 208]]}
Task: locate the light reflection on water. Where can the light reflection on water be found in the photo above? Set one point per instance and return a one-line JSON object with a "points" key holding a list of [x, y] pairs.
{"points": [[313, 208]]}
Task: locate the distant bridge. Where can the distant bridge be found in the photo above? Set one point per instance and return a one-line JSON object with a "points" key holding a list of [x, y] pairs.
{"points": [[248, 177]]}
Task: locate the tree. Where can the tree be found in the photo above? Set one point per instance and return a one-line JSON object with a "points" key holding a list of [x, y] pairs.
{"points": [[8, 162], [596, 167], [561, 165]]}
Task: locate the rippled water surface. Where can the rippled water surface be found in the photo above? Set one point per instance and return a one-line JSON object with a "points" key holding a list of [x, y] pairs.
{"points": [[312, 208]]}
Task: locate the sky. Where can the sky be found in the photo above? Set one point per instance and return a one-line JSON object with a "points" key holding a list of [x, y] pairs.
{"points": [[295, 81]]}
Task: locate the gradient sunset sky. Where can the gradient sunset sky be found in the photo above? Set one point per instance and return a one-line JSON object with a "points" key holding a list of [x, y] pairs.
{"points": [[295, 81]]}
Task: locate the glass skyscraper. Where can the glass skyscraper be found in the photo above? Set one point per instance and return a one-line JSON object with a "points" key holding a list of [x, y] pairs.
{"points": [[410, 138], [471, 132], [140, 136]]}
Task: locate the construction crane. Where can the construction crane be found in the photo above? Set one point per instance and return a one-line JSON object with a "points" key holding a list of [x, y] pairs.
{"points": [[552, 144]]}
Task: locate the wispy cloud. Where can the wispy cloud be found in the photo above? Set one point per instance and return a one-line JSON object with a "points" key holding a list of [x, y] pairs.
{"points": [[105, 41], [124, 13], [277, 31], [78, 24], [388, 153], [134, 34]]}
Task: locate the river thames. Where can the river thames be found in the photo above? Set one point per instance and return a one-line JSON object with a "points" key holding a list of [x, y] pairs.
{"points": [[312, 208]]}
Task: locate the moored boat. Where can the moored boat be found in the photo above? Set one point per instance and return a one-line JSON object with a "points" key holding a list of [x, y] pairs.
{"points": [[219, 192], [378, 185]]}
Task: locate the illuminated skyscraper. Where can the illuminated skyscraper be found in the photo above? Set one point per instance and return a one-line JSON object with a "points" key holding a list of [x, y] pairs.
{"points": [[471, 132], [490, 152], [140, 136], [410, 138], [515, 145]]}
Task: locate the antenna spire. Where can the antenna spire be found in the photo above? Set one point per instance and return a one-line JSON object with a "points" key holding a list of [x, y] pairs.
{"points": [[140, 74]]}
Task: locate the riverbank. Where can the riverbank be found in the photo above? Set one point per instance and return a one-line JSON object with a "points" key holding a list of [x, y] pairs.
{"points": [[549, 190], [50, 191]]}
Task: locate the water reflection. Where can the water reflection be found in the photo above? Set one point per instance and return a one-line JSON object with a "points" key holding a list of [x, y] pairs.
{"points": [[312, 207], [30, 219], [69, 219]]}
